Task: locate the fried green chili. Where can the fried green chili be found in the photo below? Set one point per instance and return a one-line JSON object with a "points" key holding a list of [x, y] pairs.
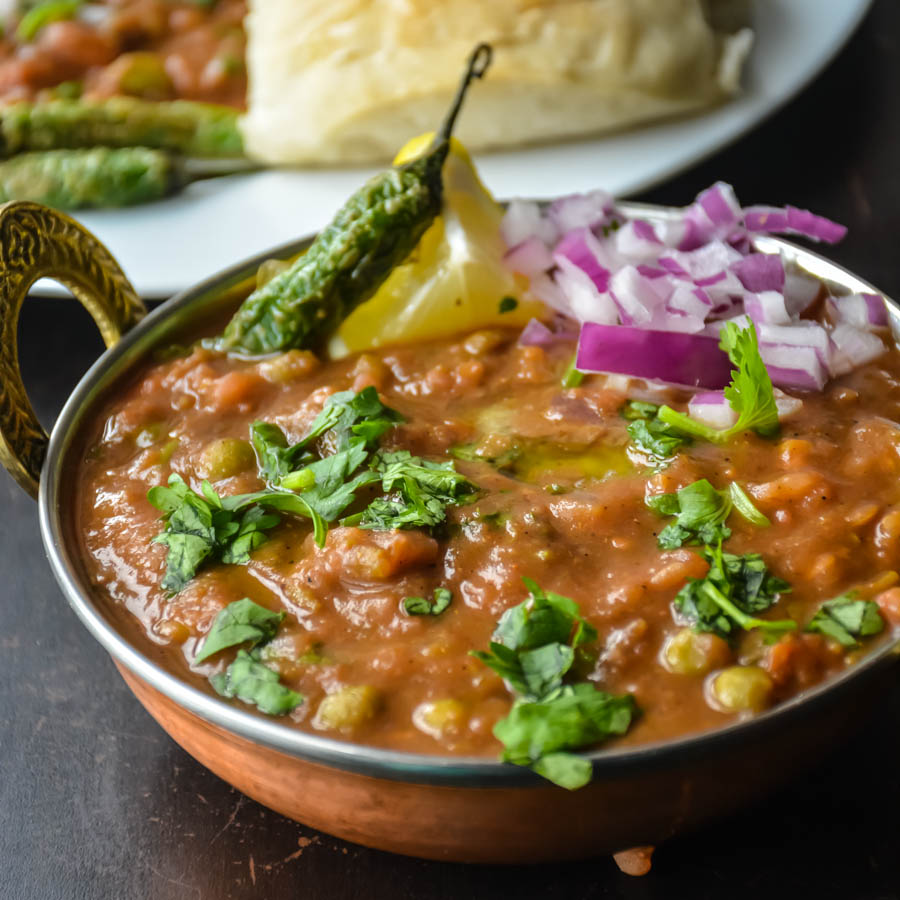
{"points": [[98, 177], [180, 126], [374, 231]]}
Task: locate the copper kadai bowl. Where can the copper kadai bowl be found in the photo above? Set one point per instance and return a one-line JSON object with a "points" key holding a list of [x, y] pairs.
{"points": [[439, 807]]}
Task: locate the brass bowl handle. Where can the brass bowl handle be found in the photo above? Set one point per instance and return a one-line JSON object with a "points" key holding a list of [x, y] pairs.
{"points": [[38, 242]]}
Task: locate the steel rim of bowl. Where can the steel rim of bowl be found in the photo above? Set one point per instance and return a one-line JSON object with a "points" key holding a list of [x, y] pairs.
{"points": [[359, 758]]}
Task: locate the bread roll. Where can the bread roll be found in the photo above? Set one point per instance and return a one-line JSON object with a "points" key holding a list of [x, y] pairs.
{"points": [[350, 81]]}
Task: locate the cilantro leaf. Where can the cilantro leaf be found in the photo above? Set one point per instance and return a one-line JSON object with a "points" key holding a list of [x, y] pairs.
{"points": [[568, 770], [734, 588], [419, 492], [249, 680], [573, 376], [844, 619], [744, 505], [700, 512], [543, 618], [639, 409], [325, 486], [246, 534], [199, 527], [576, 716], [349, 414], [750, 393], [186, 553], [275, 458], [649, 433], [420, 606], [239, 622], [507, 304], [533, 648], [534, 643], [472, 453]]}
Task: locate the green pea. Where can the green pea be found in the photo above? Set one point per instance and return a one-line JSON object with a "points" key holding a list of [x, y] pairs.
{"points": [[742, 689], [689, 652], [226, 457], [347, 708]]}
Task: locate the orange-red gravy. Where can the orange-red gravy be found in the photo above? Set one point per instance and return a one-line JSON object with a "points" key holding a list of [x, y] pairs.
{"points": [[571, 516]]}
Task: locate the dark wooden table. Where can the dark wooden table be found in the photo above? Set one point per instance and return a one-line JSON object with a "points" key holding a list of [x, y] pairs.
{"points": [[96, 801]]}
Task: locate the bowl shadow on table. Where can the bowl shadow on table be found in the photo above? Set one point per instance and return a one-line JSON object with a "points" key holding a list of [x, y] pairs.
{"points": [[837, 819]]}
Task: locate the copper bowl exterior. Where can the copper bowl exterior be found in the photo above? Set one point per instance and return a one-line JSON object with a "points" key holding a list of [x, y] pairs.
{"points": [[662, 794], [438, 807]]}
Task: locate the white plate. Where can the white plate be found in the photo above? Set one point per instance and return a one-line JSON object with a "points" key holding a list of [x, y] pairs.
{"points": [[167, 246]]}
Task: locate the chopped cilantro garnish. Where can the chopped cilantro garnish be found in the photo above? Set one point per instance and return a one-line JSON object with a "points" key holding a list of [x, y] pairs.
{"points": [[205, 526], [750, 393], [246, 677], [537, 733], [533, 648], [572, 377], [744, 505], [472, 453], [238, 623], [844, 619], [418, 492], [351, 415], [421, 606], [275, 458], [249, 680], [700, 512], [649, 433], [734, 589], [507, 304], [326, 487]]}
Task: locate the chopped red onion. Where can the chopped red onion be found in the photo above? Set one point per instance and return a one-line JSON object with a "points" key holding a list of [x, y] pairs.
{"points": [[637, 241], [799, 292], [712, 409], [692, 360], [720, 205], [851, 347], [786, 404], [859, 310], [818, 228], [530, 257], [760, 272], [685, 277], [799, 334], [765, 219], [537, 333], [794, 367], [651, 271], [545, 289], [790, 220], [673, 267], [523, 220], [589, 210], [767, 308], [581, 248], [704, 262], [716, 325], [686, 310], [637, 297], [584, 302]]}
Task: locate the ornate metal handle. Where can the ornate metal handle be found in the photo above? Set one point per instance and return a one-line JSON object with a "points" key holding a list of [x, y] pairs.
{"points": [[38, 242]]}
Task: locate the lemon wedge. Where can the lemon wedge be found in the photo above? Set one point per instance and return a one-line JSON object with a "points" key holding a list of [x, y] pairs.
{"points": [[454, 280]]}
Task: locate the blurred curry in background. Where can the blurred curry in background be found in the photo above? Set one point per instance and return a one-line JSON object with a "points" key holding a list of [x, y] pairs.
{"points": [[153, 49], [110, 103]]}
